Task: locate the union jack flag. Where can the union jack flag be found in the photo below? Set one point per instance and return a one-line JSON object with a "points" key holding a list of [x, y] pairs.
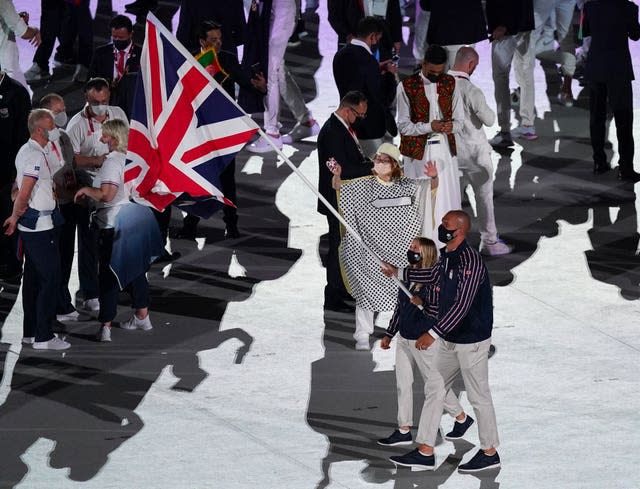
{"points": [[184, 128]]}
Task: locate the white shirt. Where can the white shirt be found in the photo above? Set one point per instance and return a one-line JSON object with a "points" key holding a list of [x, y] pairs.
{"points": [[477, 112], [358, 42], [111, 172], [408, 128], [85, 132], [31, 161]]}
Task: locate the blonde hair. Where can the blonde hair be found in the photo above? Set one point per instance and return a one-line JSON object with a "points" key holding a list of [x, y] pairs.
{"points": [[119, 130], [35, 116], [429, 252]]}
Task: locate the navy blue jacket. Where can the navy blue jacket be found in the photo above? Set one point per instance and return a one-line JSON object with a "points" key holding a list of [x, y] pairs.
{"points": [[410, 321], [463, 294]]}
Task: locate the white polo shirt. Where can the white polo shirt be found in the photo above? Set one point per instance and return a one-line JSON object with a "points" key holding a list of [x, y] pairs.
{"points": [[112, 173], [85, 132], [31, 161]]}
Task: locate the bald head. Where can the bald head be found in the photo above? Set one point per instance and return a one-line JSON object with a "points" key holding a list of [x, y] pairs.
{"points": [[457, 219], [466, 60]]}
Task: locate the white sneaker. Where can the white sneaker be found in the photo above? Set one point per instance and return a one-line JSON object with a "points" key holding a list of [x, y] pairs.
{"points": [[28, 340], [496, 248], [502, 140], [72, 316], [135, 323], [525, 132], [262, 146], [363, 344], [301, 131], [104, 334], [35, 73], [54, 343], [91, 305]]}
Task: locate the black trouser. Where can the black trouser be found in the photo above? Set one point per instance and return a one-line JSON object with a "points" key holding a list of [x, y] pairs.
{"points": [[87, 252], [163, 219], [335, 290], [109, 288], [66, 243], [77, 23], [40, 283], [51, 18], [618, 95]]}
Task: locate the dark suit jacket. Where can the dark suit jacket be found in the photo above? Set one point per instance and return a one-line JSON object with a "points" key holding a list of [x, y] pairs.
{"points": [[355, 69], [122, 91], [231, 65], [15, 105], [456, 22], [515, 15], [344, 16], [228, 13], [335, 141], [610, 24]]}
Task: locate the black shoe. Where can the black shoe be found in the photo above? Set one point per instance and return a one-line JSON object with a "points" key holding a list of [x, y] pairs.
{"points": [[231, 232], [600, 168], [629, 176], [480, 461], [185, 234], [459, 429], [416, 460], [396, 439]]}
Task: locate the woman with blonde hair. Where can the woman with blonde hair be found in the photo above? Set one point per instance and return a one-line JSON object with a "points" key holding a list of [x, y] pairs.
{"points": [[110, 196], [411, 322], [386, 210]]}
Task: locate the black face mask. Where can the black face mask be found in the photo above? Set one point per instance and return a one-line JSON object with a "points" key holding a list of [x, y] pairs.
{"points": [[413, 257], [433, 78], [444, 235], [121, 45]]}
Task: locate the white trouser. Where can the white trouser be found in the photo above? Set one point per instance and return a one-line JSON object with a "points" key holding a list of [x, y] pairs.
{"points": [[519, 50], [364, 324], [420, 33], [279, 82], [476, 166], [472, 361], [10, 64], [407, 355], [555, 15], [452, 50]]}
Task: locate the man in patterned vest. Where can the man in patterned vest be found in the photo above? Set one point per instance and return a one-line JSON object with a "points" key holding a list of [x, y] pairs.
{"points": [[430, 112]]}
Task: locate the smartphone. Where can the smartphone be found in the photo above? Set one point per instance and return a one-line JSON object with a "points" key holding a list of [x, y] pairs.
{"points": [[332, 164]]}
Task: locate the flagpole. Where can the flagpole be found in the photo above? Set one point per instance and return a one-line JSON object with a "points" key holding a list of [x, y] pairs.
{"points": [[163, 30], [333, 211]]}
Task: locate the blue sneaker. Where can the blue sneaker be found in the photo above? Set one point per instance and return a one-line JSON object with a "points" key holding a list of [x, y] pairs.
{"points": [[459, 429], [480, 461], [415, 459], [396, 439]]}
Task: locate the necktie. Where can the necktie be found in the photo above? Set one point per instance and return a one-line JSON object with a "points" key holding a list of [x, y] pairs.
{"points": [[120, 64]]}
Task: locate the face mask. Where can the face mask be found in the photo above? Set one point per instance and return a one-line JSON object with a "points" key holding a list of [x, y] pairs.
{"points": [[413, 257], [433, 78], [382, 169], [444, 235], [121, 45], [60, 119], [54, 134], [99, 109]]}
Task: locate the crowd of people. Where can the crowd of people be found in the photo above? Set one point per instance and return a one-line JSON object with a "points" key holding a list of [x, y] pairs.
{"points": [[399, 204]]}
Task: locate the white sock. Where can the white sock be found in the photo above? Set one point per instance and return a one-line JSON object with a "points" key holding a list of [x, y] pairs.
{"points": [[462, 420], [403, 431]]}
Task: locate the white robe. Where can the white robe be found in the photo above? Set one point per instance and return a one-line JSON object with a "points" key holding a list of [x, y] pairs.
{"points": [[447, 197]]}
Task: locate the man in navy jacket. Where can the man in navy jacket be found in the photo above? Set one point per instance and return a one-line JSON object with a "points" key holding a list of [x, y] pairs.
{"points": [[461, 337]]}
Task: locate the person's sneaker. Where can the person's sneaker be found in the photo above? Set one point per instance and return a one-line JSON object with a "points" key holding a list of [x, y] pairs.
{"points": [[261, 145], [459, 429], [566, 99], [72, 316], [63, 62], [103, 334], [524, 132], [54, 343], [415, 460], [91, 305], [35, 73], [363, 345], [135, 323], [28, 340], [480, 461], [502, 140], [396, 439], [301, 131], [81, 74], [496, 248]]}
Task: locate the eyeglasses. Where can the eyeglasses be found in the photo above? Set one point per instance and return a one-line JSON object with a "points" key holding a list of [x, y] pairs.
{"points": [[358, 114], [384, 161]]}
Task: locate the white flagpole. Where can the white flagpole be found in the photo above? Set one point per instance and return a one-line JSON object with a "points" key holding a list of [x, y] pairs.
{"points": [[162, 29]]}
